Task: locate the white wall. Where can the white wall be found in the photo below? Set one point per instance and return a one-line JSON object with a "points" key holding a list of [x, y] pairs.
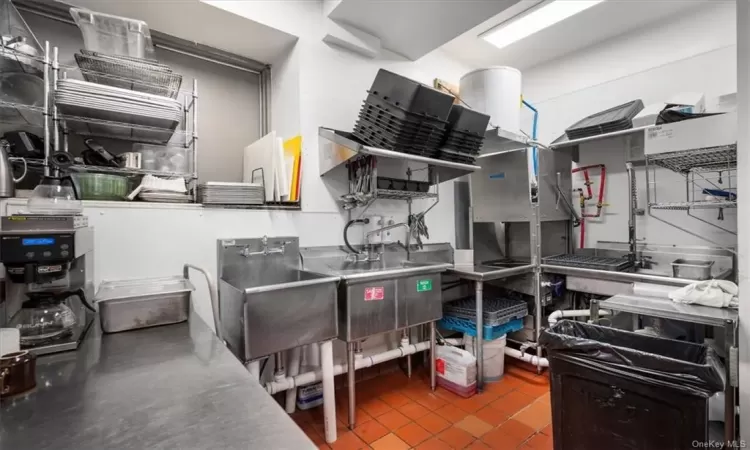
{"points": [[693, 52]]}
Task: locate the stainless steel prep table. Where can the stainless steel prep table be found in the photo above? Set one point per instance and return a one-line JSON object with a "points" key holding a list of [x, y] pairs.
{"points": [[479, 274], [724, 318], [174, 386]]}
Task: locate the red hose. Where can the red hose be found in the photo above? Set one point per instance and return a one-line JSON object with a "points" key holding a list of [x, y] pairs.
{"points": [[583, 233]]}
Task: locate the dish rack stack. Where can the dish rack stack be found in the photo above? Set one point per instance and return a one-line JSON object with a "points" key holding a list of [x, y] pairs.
{"points": [[500, 316]]}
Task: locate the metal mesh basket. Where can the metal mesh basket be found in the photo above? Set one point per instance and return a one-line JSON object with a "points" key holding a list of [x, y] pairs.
{"points": [[496, 311], [129, 73], [589, 262]]}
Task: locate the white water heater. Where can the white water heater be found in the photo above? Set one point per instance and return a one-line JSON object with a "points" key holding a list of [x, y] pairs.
{"points": [[495, 91]]}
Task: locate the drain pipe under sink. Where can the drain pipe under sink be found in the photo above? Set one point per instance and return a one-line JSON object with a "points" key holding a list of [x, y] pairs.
{"points": [[512, 352], [314, 376], [560, 314]]}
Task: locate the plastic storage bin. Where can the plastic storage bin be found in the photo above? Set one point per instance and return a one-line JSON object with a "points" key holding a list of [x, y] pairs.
{"points": [[165, 158], [493, 354], [114, 35], [631, 391]]}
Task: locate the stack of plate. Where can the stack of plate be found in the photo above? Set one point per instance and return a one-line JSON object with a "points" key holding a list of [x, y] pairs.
{"points": [[136, 115], [163, 196], [221, 193]]}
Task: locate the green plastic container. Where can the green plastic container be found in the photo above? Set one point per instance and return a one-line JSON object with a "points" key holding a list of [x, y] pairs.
{"points": [[101, 186]]}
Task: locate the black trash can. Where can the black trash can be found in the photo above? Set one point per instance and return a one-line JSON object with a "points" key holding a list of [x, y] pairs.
{"points": [[613, 389]]}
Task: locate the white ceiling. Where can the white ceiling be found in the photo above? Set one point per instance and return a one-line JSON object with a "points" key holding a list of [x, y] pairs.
{"points": [[600, 22], [413, 28]]}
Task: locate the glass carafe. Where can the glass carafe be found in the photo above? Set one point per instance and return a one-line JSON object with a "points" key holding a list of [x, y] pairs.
{"points": [[43, 319], [55, 196]]}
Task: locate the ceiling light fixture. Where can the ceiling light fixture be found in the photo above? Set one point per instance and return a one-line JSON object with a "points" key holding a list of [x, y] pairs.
{"points": [[539, 18]]}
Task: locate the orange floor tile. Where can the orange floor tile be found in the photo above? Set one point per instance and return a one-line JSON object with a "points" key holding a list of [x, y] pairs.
{"points": [[395, 412]]}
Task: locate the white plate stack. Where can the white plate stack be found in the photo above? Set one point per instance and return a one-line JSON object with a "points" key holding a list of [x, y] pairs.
{"points": [[224, 193], [152, 117]]}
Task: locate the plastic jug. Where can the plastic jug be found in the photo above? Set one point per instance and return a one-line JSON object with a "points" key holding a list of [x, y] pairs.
{"points": [[456, 370]]}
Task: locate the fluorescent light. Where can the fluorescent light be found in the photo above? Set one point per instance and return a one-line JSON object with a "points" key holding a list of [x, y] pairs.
{"points": [[540, 18]]}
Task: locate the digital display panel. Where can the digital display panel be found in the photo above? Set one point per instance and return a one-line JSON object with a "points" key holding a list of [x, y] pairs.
{"points": [[37, 241]]}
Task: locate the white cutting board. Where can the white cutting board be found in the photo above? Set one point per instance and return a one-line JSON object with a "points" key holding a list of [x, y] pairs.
{"points": [[261, 154], [282, 174]]}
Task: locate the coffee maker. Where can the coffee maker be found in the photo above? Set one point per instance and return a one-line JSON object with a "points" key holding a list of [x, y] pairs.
{"points": [[49, 280]]}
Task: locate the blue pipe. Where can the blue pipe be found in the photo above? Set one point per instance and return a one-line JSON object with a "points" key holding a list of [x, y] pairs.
{"points": [[534, 150]]}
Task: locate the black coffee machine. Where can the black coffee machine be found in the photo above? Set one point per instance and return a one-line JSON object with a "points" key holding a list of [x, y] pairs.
{"points": [[49, 280]]}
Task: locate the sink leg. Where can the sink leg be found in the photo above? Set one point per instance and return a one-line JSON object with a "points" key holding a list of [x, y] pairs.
{"points": [[329, 399], [480, 338], [350, 382], [406, 339], [433, 356]]}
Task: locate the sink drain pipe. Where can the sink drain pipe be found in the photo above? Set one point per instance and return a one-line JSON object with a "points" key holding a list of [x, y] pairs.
{"points": [[314, 376], [560, 314], [512, 352]]}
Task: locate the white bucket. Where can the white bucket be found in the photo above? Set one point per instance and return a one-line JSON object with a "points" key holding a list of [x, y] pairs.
{"points": [[493, 356], [495, 91]]}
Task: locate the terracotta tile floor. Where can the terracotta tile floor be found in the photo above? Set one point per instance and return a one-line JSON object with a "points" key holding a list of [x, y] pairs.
{"points": [[394, 412]]}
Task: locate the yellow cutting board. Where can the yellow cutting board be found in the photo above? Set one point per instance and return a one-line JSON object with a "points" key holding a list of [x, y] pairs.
{"points": [[292, 157]]}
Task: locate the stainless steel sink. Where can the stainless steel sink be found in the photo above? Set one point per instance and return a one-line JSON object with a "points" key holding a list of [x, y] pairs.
{"points": [[268, 304], [376, 297]]}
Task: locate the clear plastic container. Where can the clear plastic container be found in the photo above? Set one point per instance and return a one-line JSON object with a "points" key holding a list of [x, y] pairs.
{"points": [[165, 158], [114, 35], [54, 197]]}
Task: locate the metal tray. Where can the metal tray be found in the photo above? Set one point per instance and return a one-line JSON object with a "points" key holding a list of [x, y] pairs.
{"points": [[590, 262], [692, 269], [149, 302]]}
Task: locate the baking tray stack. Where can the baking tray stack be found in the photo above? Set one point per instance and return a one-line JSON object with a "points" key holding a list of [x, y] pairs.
{"points": [[224, 193], [403, 115], [465, 135], [117, 112], [607, 121], [142, 75]]}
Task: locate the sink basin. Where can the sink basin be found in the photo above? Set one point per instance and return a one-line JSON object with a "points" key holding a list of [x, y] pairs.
{"points": [[376, 297], [270, 308]]}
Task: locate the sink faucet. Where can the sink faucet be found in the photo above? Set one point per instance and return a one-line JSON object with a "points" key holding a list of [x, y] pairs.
{"points": [[371, 255], [266, 251]]}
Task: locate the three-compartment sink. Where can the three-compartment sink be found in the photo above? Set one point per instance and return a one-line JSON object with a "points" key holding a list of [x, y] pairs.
{"points": [[390, 294]]}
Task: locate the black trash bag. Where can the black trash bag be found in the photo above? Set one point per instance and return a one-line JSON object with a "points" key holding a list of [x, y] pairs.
{"points": [[683, 366]]}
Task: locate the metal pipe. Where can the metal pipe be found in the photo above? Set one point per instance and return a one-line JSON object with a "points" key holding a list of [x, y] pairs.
{"points": [[46, 109], [631, 211], [538, 315], [329, 399], [729, 385], [350, 381], [195, 140], [478, 292], [55, 119], [626, 277], [405, 340], [295, 355], [433, 357], [213, 293], [278, 364]]}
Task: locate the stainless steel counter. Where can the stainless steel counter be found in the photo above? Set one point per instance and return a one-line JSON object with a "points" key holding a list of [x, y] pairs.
{"points": [[175, 386], [487, 273], [667, 309]]}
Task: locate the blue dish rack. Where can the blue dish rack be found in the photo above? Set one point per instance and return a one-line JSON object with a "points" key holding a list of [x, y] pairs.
{"points": [[470, 327]]}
